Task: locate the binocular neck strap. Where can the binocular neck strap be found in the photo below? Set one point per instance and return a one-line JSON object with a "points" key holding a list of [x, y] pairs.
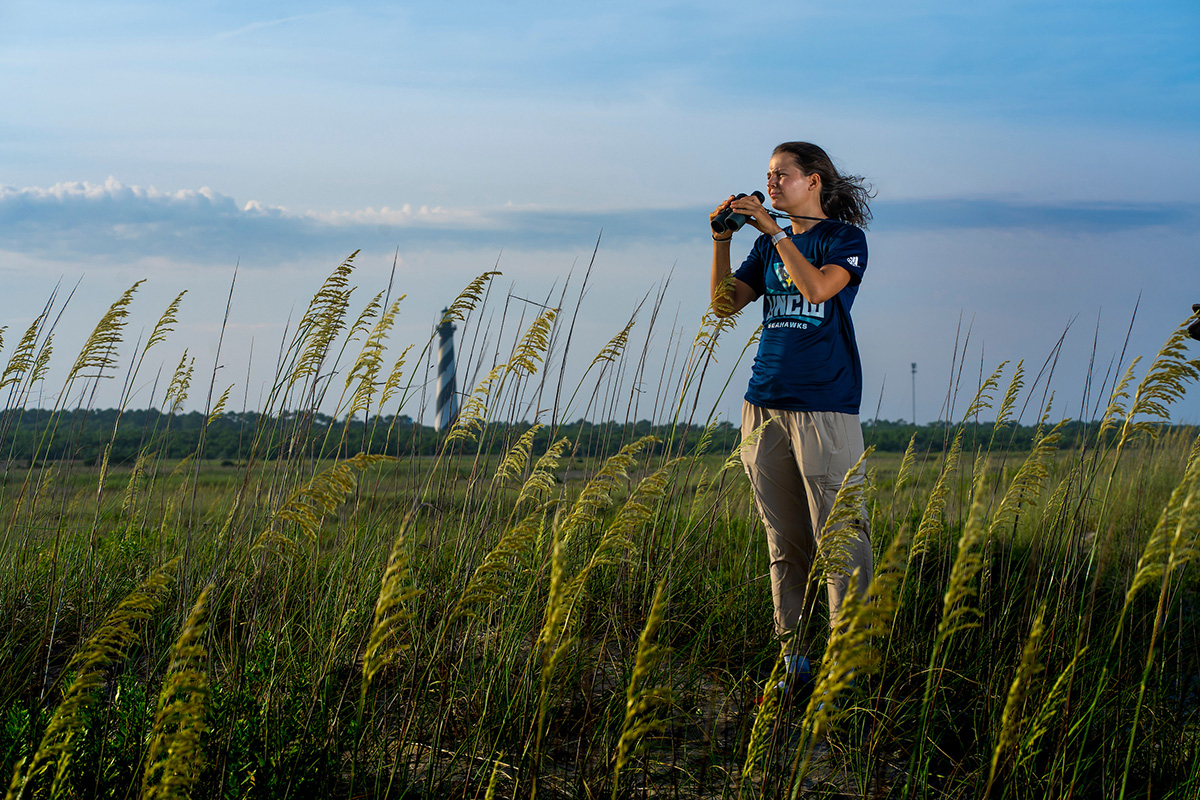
{"points": [[778, 215]]}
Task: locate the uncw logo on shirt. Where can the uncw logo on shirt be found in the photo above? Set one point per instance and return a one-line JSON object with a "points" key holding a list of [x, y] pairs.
{"points": [[788, 308]]}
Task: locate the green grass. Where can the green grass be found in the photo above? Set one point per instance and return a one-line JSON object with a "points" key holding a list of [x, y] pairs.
{"points": [[467, 624]]}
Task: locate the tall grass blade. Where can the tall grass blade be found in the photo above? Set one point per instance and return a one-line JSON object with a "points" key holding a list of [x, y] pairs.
{"points": [[309, 504], [392, 615], [68, 724], [99, 351], [489, 582], [176, 758], [642, 703], [1012, 718]]}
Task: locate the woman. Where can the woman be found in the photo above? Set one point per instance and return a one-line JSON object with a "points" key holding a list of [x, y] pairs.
{"points": [[806, 385]]}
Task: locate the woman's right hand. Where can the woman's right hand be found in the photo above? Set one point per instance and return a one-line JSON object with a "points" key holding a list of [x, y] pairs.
{"points": [[721, 209]]}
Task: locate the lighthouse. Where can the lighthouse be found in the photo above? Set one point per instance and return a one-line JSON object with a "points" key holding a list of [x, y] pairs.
{"points": [[447, 394]]}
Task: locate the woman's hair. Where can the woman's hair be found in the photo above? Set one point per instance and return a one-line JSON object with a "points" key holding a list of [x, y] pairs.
{"points": [[843, 197]]}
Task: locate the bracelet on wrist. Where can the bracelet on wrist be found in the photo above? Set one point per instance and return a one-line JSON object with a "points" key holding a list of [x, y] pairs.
{"points": [[777, 238], [726, 239]]}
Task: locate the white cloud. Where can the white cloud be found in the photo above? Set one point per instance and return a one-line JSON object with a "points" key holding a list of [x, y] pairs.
{"points": [[75, 194], [112, 220]]}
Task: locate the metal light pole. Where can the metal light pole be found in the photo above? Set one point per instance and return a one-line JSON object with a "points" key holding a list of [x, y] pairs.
{"points": [[914, 388]]}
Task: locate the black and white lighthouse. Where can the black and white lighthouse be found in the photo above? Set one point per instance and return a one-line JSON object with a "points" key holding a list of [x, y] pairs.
{"points": [[447, 389]]}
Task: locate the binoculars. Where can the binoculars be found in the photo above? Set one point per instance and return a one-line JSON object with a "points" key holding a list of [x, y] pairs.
{"points": [[731, 221]]}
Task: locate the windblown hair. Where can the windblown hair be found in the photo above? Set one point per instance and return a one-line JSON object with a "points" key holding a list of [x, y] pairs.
{"points": [[843, 197]]}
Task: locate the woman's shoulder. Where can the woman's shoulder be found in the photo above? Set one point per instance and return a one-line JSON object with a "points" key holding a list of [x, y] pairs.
{"points": [[839, 236], [842, 230]]}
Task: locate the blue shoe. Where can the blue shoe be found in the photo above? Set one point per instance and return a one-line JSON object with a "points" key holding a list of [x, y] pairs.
{"points": [[797, 685], [798, 682]]}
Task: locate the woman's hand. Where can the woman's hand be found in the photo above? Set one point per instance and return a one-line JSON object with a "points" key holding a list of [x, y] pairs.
{"points": [[721, 209], [753, 208]]}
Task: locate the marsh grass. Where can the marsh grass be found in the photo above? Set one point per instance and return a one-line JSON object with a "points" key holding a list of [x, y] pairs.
{"points": [[508, 619]]}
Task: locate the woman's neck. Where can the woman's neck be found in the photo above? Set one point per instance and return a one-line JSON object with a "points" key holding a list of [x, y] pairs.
{"points": [[803, 223], [810, 210]]}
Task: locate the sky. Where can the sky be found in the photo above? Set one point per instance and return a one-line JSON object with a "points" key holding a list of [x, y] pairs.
{"points": [[1035, 167]]}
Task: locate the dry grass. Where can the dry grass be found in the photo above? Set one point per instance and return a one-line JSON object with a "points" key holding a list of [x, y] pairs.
{"points": [[525, 624]]}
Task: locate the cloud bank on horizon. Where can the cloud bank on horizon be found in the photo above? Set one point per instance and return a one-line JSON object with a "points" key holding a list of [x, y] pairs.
{"points": [[118, 222]]}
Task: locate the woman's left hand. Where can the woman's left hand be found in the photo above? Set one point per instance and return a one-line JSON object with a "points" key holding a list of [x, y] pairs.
{"points": [[753, 208]]}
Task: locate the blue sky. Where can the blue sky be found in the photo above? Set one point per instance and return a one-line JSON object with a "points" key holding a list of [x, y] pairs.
{"points": [[1036, 163]]}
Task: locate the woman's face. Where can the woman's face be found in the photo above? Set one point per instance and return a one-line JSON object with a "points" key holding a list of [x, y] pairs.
{"points": [[787, 185]]}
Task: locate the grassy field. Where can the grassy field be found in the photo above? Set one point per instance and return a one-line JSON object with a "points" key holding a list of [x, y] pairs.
{"points": [[542, 625]]}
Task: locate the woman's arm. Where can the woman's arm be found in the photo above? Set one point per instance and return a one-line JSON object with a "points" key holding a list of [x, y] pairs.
{"points": [[817, 284]]}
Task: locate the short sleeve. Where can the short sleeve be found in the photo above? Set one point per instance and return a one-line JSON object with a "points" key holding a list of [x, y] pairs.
{"points": [[848, 250]]}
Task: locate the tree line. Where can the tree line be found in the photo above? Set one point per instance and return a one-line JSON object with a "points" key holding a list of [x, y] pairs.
{"points": [[83, 435]]}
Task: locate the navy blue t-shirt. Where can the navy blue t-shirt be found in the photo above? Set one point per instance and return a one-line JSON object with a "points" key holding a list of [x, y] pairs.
{"points": [[807, 357]]}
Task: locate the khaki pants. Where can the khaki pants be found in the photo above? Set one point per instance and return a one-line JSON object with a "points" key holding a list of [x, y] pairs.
{"points": [[796, 468]]}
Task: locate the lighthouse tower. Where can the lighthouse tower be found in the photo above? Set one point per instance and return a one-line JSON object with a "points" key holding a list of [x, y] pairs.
{"points": [[447, 394]]}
